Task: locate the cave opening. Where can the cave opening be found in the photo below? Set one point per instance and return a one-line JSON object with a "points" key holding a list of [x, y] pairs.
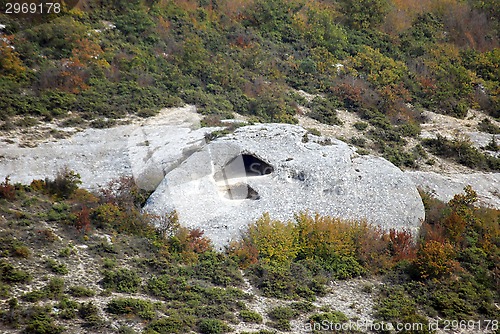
{"points": [[244, 165], [255, 166]]}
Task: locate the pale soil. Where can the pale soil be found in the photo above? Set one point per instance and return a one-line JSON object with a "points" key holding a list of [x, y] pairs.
{"points": [[46, 132], [347, 297], [450, 127]]}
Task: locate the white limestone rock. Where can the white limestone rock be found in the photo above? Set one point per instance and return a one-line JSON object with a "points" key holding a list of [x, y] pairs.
{"points": [[444, 187], [145, 151], [281, 169]]}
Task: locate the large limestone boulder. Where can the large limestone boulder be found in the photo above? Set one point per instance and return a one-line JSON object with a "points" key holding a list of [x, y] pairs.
{"points": [[281, 169]]}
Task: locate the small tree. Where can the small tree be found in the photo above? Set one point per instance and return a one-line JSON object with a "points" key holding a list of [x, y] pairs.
{"points": [[64, 185], [435, 259], [276, 241]]}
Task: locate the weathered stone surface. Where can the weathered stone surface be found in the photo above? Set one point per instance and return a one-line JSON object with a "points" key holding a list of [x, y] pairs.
{"points": [[282, 170], [145, 150], [444, 187]]}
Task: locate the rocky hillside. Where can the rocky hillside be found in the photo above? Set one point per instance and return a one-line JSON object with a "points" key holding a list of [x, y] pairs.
{"points": [[130, 131], [74, 262]]}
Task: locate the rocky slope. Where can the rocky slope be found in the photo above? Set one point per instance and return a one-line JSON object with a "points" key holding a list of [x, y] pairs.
{"points": [[145, 149]]}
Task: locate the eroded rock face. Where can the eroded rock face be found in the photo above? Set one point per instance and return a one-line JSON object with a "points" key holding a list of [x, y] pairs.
{"points": [[281, 169], [444, 187], [145, 151]]}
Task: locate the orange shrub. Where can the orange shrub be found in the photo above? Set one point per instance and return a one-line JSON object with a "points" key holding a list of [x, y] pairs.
{"points": [[82, 223], [402, 245], [7, 190], [245, 252], [435, 259]]}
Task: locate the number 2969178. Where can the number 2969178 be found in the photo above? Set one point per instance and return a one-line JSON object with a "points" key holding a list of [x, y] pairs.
{"points": [[35, 8]]}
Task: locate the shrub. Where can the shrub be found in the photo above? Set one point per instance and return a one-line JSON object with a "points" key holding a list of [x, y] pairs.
{"points": [[213, 326], [41, 322], [67, 251], [53, 290], [303, 306], [121, 280], [57, 268], [90, 313], [492, 145], [334, 317], [64, 185], [401, 245], [218, 269], [275, 282], [323, 110], [250, 316], [435, 259], [67, 308], [463, 152], [168, 325], [4, 290], [55, 287], [142, 308], [34, 296], [282, 313], [282, 325], [124, 192], [9, 274], [7, 190], [13, 247], [81, 291], [361, 126], [274, 240], [487, 126], [395, 305]]}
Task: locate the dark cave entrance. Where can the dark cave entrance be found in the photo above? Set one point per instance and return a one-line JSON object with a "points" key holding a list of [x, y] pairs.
{"points": [[255, 166], [244, 165]]}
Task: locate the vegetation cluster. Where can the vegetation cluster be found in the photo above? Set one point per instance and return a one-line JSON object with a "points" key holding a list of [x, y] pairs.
{"points": [[169, 279], [105, 60]]}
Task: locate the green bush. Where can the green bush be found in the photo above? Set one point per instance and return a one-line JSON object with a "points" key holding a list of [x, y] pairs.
{"points": [[34, 296], [282, 313], [9, 274], [142, 308], [462, 152], [121, 280], [213, 326], [4, 290], [361, 126], [42, 322], [81, 291], [303, 306], [57, 268], [90, 313], [334, 317], [168, 325], [13, 247], [250, 316], [395, 305], [68, 309], [487, 126], [324, 110], [53, 290]]}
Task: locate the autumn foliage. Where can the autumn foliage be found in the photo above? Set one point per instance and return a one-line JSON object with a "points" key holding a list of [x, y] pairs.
{"points": [[343, 248], [455, 228]]}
